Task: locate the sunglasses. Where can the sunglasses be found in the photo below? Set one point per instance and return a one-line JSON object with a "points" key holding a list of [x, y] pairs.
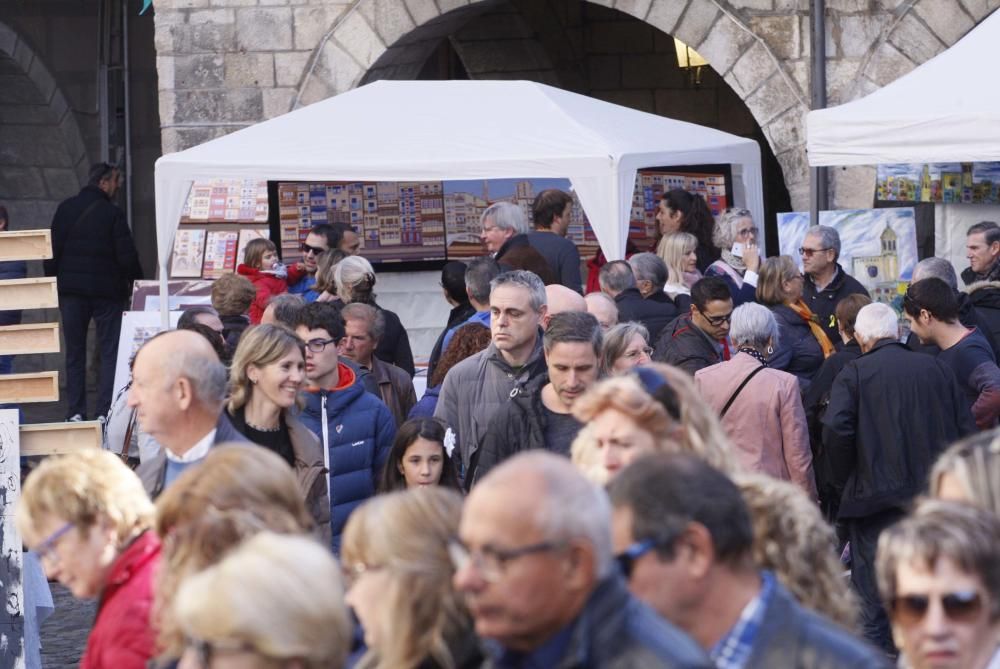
{"points": [[958, 607], [315, 250], [809, 253]]}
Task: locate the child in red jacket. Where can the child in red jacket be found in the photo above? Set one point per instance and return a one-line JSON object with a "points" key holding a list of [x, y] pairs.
{"points": [[267, 274]]}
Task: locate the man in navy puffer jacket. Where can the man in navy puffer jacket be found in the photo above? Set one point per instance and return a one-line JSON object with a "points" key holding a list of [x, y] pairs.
{"points": [[355, 427]]}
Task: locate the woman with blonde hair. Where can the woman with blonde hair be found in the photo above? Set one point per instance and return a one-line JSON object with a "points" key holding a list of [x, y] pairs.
{"points": [[266, 375], [89, 520], [791, 539], [355, 280], [654, 408], [969, 472], [325, 284], [396, 557], [679, 252], [804, 344], [234, 493], [276, 600]]}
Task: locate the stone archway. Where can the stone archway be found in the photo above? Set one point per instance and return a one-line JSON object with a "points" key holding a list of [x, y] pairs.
{"points": [[43, 158]]}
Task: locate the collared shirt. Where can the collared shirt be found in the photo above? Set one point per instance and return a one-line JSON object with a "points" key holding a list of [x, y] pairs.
{"points": [[199, 451], [829, 284], [733, 650], [545, 656], [481, 317]]}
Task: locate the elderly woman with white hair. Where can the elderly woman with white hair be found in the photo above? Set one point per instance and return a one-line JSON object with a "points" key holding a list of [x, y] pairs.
{"points": [[355, 280], [505, 235], [736, 238], [760, 408]]}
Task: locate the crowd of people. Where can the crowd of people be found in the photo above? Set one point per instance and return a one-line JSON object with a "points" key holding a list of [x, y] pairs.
{"points": [[714, 460]]}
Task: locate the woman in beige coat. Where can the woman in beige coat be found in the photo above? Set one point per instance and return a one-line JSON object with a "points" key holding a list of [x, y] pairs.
{"points": [[760, 408]]}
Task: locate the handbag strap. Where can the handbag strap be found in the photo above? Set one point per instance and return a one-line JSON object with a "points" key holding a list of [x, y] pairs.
{"points": [[732, 398], [126, 445]]}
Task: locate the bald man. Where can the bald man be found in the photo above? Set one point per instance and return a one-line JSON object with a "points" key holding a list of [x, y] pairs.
{"points": [[603, 309], [535, 564], [560, 299], [178, 390]]}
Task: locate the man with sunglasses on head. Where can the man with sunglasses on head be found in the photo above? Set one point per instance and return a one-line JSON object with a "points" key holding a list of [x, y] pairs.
{"points": [[697, 339], [938, 575], [354, 426], [826, 282], [684, 541], [533, 559]]}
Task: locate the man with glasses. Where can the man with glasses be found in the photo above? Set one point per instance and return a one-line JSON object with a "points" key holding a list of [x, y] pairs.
{"points": [[826, 282], [697, 339], [891, 414], [684, 540], [533, 559], [937, 573], [355, 428], [321, 239]]}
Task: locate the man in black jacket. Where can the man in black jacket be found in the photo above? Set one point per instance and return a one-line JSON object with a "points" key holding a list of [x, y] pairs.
{"points": [[684, 540], [95, 262], [541, 417], [891, 413], [826, 282], [619, 282], [697, 339], [453, 287]]}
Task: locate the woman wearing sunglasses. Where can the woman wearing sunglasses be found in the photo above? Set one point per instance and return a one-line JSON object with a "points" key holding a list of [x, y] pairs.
{"points": [[90, 521], [940, 582]]}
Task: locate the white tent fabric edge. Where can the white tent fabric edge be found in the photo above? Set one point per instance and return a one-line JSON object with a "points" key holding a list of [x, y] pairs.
{"points": [[602, 175]]}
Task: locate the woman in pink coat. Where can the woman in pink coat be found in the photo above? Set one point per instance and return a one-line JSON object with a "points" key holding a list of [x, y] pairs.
{"points": [[760, 408]]}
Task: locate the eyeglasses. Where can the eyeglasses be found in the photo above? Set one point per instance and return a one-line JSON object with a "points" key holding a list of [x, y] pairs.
{"points": [[746, 232], [716, 321], [808, 253], [315, 250], [635, 353], [319, 345], [492, 562], [205, 650], [627, 559], [959, 607], [46, 550]]}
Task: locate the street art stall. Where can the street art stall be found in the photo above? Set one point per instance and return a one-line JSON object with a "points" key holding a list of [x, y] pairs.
{"points": [[934, 135], [450, 133]]}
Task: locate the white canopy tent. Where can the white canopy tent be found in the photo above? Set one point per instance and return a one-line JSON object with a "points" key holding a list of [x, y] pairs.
{"points": [[454, 130], [943, 111]]}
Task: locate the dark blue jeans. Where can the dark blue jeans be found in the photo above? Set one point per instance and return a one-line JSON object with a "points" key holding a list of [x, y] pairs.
{"points": [[863, 534], [77, 312]]}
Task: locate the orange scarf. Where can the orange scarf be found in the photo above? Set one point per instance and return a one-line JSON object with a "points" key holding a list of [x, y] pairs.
{"points": [[817, 330]]}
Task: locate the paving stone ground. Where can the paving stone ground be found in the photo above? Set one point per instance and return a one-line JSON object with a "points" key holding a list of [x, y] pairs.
{"points": [[64, 634]]}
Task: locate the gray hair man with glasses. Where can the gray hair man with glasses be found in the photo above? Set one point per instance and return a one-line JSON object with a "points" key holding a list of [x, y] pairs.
{"points": [[826, 282], [684, 540], [533, 559]]}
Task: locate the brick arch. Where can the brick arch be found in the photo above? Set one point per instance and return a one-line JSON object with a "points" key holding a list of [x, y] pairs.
{"points": [[359, 39]]}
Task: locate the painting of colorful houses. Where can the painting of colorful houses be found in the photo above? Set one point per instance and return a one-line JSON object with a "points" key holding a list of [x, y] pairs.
{"points": [[968, 183]]}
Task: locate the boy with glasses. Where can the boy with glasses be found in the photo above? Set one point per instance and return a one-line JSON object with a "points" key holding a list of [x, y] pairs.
{"points": [[355, 428], [697, 339], [826, 282]]}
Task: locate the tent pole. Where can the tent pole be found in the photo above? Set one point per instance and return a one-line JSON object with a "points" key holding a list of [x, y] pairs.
{"points": [[164, 295], [818, 176]]}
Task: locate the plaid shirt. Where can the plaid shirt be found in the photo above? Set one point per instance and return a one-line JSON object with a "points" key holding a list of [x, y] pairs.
{"points": [[733, 650]]}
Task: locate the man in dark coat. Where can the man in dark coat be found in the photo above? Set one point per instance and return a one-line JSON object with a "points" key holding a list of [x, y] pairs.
{"points": [[826, 282], [453, 288], [697, 339], [551, 212], [533, 558], [891, 413], [982, 248], [505, 235], [542, 416], [95, 262], [985, 298], [688, 538], [618, 281]]}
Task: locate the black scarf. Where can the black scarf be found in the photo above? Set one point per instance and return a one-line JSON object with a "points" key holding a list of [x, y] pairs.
{"points": [[754, 353]]}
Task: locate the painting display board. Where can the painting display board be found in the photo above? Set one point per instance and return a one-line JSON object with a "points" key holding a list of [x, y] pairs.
{"points": [[440, 220], [878, 247], [12, 640], [966, 183], [221, 201], [189, 250], [182, 294], [220, 253], [137, 327]]}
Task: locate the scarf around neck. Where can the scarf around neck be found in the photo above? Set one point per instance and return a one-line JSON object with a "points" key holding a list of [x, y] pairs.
{"points": [[754, 353], [733, 261], [815, 328]]}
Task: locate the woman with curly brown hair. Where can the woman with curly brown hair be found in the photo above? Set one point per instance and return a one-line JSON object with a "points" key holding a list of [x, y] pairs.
{"points": [[654, 408], [467, 340], [234, 493]]}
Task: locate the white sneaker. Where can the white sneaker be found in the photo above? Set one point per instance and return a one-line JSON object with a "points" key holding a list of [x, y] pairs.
{"points": [[75, 418]]}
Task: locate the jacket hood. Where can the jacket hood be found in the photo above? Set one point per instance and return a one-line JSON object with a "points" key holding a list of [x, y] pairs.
{"points": [[984, 291]]}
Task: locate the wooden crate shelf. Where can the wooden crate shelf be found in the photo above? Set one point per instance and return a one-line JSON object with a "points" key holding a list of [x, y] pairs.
{"points": [[59, 438], [28, 388], [38, 293], [26, 245], [29, 338]]}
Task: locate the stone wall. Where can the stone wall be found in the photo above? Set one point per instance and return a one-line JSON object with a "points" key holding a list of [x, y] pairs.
{"points": [[224, 64]]}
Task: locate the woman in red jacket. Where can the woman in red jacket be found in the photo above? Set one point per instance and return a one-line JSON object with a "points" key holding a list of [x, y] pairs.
{"points": [[90, 521]]}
